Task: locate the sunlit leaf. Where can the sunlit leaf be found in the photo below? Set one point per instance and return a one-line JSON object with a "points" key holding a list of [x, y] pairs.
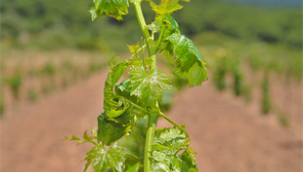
{"points": [[166, 6], [111, 8], [185, 56], [168, 142], [155, 26], [104, 160], [133, 48], [148, 86], [86, 138]]}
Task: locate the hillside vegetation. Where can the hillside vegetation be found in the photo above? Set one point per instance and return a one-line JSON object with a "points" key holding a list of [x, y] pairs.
{"points": [[48, 24]]}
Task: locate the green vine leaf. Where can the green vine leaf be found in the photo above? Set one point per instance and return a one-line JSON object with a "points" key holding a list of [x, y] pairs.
{"points": [[148, 86], [112, 107], [111, 8], [155, 26], [110, 131], [132, 163], [86, 138], [134, 48], [171, 24], [103, 160], [166, 6], [188, 160], [168, 142], [184, 55], [134, 168], [124, 91]]}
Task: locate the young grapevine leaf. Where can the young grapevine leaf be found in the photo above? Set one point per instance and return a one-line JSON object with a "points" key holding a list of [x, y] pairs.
{"points": [[188, 160], [111, 8], [132, 163], [147, 86], [85, 138], [188, 61], [110, 131], [134, 168], [155, 26], [167, 143], [120, 106], [171, 24], [166, 6], [103, 160], [111, 106], [133, 48], [124, 91]]}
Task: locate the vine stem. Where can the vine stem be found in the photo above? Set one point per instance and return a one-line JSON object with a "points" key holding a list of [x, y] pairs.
{"points": [[172, 122], [152, 121], [160, 37], [153, 116], [142, 23], [164, 116]]}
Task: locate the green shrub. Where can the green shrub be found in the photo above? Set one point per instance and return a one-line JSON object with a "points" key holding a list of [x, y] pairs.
{"points": [[266, 103], [14, 83], [32, 95]]}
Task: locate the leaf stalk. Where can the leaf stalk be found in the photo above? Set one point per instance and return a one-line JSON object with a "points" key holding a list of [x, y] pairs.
{"points": [[152, 121], [172, 122], [142, 23]]}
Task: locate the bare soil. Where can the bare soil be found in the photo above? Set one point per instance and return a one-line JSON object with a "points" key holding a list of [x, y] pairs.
{"points": [[227, 134]]}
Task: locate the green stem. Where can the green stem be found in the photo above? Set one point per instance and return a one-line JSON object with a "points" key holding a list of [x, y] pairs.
{"points": [[139, 107], [142, 23], [152, 121], [150, 47], [140, 49], [172, 122], [160, 37], [153, 116], [93, 142]]}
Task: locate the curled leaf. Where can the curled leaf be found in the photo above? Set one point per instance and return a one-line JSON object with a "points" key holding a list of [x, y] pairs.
{"points": [[186, 58]]}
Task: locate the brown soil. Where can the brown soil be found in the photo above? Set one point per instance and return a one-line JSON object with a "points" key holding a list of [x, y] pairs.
{"points": [[228, 135]]}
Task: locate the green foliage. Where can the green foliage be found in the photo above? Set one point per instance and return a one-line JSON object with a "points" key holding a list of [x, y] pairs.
{"points": [[109, 131], [103, 160], [166, 7], [147, 86], [220, 70], [166, 101], [1, 106], [111, 8], [283, 120], [238, 78], [32, 94], [15, 82], [134, 142], [266, 104], [139, 96], [238, 88], [48, 69], [46, 88], [188, 60], [48, 24], [168, 142]]}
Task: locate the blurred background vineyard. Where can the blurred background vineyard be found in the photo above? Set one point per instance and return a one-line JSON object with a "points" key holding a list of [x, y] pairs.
{"points": [[252, 48], [47, 45]]}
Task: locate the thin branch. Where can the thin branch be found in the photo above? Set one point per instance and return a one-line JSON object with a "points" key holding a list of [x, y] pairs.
{"points": [[172, 122]]}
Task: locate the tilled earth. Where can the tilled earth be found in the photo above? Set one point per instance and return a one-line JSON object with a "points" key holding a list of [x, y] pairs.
{"points": [[227, 134]]}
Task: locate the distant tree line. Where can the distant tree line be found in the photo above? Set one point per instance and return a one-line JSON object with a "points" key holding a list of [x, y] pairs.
{"points": [[49, 24]]}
